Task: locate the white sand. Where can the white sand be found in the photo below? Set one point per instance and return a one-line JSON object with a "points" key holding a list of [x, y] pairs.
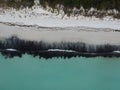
{"points": [[39, 16], [57, 35]]}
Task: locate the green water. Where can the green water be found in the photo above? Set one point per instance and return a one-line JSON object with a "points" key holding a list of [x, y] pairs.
{"points": [[28, 73]]}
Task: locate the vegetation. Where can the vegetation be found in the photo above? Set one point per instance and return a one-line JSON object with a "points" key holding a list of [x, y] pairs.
{"points": [[16, 3], [101, 6], [87, 4]]}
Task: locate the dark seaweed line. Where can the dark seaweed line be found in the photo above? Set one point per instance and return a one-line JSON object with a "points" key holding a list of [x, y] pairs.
{"points": [[51, 54], [41, 49]]}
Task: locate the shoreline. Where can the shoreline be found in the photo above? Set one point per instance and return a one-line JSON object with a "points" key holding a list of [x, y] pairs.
{"points": [[14, 46], [66, 42]]}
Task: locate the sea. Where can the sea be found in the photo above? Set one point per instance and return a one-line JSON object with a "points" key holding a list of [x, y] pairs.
{"points": [[77, 73]]}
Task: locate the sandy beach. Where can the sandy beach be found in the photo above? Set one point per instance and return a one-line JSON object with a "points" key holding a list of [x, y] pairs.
{"points": [[41, 17], [94, 36]]}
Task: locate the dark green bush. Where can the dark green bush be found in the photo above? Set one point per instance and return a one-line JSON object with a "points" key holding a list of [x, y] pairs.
{"points": [[87, 4], [16, 3]]}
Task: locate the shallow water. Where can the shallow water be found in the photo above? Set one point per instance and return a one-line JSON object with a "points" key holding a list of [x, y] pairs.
{"points": [[28, 73]]}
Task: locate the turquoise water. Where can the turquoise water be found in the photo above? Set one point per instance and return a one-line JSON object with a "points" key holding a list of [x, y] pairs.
{"points": [[28, 73]]}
